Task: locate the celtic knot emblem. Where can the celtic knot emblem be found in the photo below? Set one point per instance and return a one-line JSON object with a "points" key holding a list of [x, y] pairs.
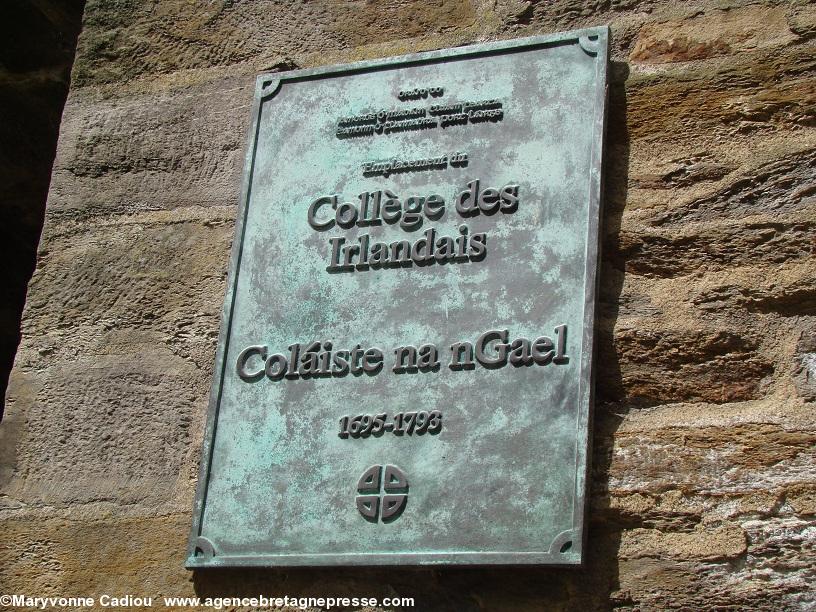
{"points": [[389, 479]]}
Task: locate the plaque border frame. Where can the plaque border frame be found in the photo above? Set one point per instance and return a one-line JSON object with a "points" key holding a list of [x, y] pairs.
{"points": [[201, 552]]}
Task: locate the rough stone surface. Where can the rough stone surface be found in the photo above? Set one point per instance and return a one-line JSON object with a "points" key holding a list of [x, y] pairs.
{"points": [[703, 485]]}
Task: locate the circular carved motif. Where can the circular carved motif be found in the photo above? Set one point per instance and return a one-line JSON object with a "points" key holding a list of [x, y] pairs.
{"points": [[387, 479]]}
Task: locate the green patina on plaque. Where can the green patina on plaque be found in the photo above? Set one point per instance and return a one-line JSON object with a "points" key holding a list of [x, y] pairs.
{"points": [[404, 372]]}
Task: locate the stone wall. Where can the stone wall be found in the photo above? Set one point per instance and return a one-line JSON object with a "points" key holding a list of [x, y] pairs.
{"points": [[703, 486]]}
